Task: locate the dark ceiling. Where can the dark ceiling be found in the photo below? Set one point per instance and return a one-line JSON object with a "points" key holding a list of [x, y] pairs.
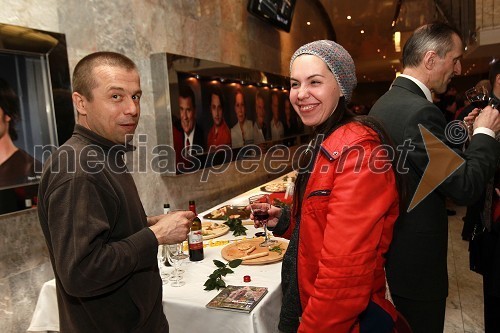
{"points": [[368, 34]]}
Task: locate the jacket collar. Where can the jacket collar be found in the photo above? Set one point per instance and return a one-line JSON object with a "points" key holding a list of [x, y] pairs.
{"points": [[101, 141], [344, 138], [410, 85]]}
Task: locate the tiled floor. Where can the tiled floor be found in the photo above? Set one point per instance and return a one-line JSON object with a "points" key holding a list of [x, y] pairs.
{"points": [[464, 308]]}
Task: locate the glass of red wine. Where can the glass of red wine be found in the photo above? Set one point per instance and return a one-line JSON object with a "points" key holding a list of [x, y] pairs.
{"points": [[478, 96], [260, 204]]}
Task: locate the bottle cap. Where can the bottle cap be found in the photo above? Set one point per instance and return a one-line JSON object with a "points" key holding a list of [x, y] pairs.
{"points": [[246, 278]]}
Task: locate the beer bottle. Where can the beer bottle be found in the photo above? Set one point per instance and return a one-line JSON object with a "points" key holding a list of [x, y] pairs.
{"points": [[195, 238]]}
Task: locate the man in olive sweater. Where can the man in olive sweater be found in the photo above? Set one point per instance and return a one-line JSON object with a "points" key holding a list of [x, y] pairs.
{"points": [[102, 246]]}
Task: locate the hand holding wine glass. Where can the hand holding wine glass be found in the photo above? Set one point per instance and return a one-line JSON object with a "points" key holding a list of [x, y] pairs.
{"points": [[260, 205]]}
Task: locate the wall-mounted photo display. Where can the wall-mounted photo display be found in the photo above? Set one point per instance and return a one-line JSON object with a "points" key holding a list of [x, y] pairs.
{"points": [[36, 111], [218, 112]]}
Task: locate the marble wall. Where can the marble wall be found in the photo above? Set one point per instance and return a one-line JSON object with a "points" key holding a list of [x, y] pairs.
{"points": [[218, 30], [24, 267]]}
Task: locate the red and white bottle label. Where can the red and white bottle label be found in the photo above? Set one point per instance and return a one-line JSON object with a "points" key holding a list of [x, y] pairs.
{"points": [[195, 240]]}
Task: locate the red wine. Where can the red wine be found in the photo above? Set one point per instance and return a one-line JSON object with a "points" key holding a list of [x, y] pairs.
{"points": [[480, 103], [261, 215]]}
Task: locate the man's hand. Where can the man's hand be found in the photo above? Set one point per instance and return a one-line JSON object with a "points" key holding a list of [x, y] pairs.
{"points": [[488, 118], [152, 220], [173, 228]]}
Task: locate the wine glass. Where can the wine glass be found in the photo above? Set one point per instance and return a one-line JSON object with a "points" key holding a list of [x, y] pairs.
{"points": [[162, 258], [181, 255], [478, 96], [260, 204], [175, 256]]}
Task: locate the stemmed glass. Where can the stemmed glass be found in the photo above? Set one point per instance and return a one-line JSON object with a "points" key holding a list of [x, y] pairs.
{"points": [[175, 256], [478, 96], [162, 258], [260, 204]]}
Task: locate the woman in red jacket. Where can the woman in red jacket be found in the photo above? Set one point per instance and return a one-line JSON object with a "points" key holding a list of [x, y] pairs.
{"points": [[345, 205]]}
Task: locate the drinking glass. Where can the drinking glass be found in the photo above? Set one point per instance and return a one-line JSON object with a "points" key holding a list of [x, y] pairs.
{"points": [[181, 255], [162, 258], [478, 96], [175, 256], [260, 204]]}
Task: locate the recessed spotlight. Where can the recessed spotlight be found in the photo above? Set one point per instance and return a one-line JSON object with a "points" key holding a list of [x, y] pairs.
{"points": [[362, 31], [383, 57], [378, 50], [348, 17], [308, 23]]}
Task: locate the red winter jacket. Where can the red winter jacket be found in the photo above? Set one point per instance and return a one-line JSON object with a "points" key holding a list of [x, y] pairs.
{"points": [[347, 216]]}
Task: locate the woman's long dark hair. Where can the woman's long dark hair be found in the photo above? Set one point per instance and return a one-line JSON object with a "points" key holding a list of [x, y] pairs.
{"points": [[341, 116]]}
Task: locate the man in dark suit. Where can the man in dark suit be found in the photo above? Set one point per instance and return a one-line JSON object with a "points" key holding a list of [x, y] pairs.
{"points": [[416, 262], [189, 139]]}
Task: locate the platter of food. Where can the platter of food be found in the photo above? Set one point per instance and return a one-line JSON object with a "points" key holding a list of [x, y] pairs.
{"points": [[274, 188], [211, 230], [250, 251], [228, 211]]}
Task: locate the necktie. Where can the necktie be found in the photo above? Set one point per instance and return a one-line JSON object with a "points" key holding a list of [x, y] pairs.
{"points": [[188, 147]]}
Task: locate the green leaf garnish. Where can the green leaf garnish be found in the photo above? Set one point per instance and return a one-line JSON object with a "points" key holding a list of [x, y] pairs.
{"points": [[215, 280]]}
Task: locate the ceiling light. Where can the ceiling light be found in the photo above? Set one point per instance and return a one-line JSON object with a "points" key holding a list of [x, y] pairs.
{"points": [[378, 50], [308, 23], [397, 41], [362, 31], [348, 17]]}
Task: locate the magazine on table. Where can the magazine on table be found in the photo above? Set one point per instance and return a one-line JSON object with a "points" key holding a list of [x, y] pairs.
{"points": [[237, 298]]}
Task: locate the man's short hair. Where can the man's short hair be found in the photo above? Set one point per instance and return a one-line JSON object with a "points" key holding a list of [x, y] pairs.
{"points": [[187, 92], [9, 102], [83, 78], [437, 37], [494, 71]]}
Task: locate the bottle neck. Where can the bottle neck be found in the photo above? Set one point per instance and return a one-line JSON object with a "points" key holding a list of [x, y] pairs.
{"points": [[192, 207]]}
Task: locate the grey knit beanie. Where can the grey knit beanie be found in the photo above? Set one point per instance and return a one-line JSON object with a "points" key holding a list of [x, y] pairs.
{"points": [[337, 59]]}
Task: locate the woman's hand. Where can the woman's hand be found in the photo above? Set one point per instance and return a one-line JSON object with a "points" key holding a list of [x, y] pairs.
{"points": [[274, 215]]}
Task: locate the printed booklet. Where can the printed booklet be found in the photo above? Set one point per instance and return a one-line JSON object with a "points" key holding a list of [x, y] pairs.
{"points": [[238, 298]]}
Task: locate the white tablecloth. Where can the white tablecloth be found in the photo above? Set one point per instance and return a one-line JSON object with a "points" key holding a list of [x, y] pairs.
{"points": [[185, 306]]}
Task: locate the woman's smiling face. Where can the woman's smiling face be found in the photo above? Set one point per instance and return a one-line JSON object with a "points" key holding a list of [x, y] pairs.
{"points": [[314, 91]]}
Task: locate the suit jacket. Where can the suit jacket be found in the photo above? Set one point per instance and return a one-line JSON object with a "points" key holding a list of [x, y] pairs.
{"points": [[417, 259]]}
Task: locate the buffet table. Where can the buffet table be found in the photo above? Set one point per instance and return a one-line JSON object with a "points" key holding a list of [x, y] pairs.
{"points": [[185, 306]]}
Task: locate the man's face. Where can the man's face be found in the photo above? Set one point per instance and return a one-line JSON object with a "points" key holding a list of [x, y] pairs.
{"points": [[216, 109], [239, 107], [447, 67], [114, 110], [187, 114], [260, 111], [4, 124]]}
